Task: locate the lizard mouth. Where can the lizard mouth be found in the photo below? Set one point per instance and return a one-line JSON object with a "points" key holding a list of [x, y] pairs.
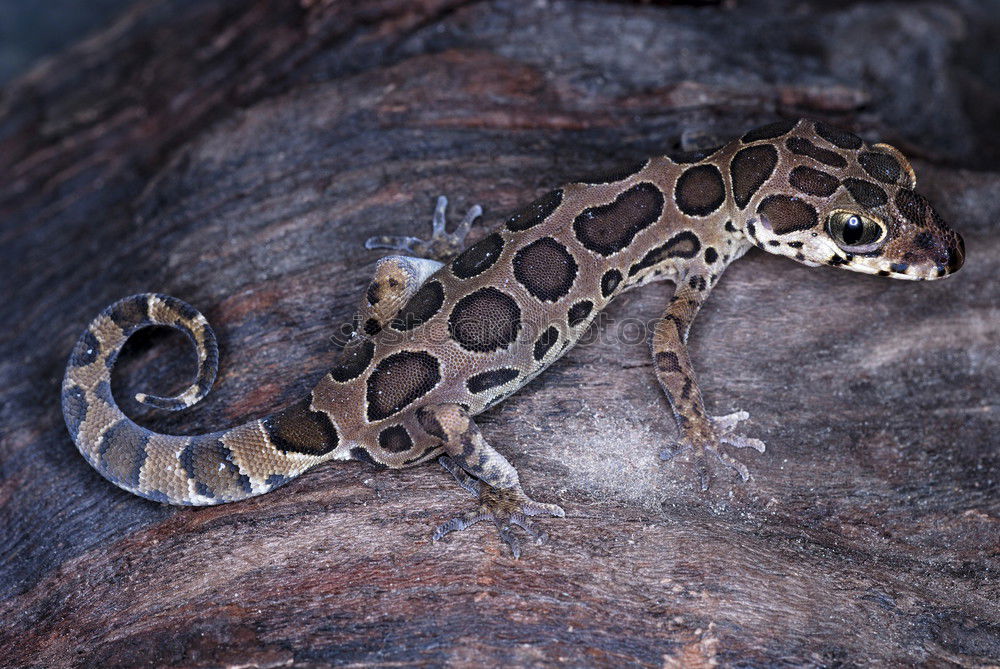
{"points": [[947, 260], [938, 259]]}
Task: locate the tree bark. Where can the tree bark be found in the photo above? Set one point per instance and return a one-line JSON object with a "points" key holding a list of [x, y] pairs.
{"points": [[236, 155]]}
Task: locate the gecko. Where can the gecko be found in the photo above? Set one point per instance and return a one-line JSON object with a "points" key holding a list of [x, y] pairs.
{"points": [[444, 332]]}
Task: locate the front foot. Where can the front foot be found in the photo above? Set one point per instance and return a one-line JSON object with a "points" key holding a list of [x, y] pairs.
{"points": [[722, 433], [441, 246], [504, 507]]}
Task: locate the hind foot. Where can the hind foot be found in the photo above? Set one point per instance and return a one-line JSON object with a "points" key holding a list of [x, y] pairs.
{"points": [[504, 507], [723, 427], [441, 246]]}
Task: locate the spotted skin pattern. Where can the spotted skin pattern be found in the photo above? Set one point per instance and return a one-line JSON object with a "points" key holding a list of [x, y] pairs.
{"points": [[437, 343]]}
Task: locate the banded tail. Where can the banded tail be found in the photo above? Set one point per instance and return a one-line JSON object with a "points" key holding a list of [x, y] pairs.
{"points": [[203, 469]]}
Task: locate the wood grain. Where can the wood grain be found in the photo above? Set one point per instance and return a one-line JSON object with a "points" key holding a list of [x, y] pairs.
{"points": [[237, 154]]}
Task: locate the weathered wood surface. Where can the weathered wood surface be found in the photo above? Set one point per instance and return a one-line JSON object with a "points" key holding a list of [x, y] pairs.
{"points": [[237, 154]]}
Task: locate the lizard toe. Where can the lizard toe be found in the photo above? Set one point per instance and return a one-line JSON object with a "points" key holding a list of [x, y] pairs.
{"points": [[737, 441], [726, 424], [441, 245], [506, 508]]}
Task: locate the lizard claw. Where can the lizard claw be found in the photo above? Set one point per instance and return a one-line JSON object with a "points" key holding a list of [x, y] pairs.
{"points": [[441, 245], [723, 427], [506, 508]]}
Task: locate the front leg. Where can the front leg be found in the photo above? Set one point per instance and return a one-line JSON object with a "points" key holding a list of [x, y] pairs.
{"points": [[484, 473], [700, 432]]}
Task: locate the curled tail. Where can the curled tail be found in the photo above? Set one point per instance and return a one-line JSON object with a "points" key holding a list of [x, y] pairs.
{"points": [[225, 466]]}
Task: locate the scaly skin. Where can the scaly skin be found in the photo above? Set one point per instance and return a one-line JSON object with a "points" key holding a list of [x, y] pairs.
{"points": [[437, 344]]}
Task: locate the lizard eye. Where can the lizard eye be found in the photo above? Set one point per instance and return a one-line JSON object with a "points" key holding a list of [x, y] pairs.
{"points": [[850, 229]]}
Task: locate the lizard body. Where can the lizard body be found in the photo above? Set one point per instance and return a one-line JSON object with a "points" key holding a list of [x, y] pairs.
{"points": [[437, 343]]}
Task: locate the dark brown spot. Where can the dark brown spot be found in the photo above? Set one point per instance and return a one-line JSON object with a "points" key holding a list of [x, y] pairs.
{"points": [[865, 193], [804, 147], [300, 429], [911, 205], [185, 310], [372, 327], [749, 169], [210, 464], [399, 380], [787, 214], [711, 255], [536, 212], [700, 190], [682, 245], [609, 228], [74, 406], [122, 452], [485, 320], [86, 351], [422, 306], [361, 454], [666, 361], [544, 342], [610, 282], [354, 360], [395, 439], [372, 294], [579, 312], [483, 381], [838, 137], [130, 312], [770, 131], [813, 182], [546, 269], [478, 258], [429, 421], [686, 389], [880, 165]]}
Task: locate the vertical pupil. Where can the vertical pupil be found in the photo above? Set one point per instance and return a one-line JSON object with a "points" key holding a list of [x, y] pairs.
{"points": [[853, 230]]}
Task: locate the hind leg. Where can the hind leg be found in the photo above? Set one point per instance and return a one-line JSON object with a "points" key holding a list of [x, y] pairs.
{"points": [[484, 473], [441, 246], [396, 280]]}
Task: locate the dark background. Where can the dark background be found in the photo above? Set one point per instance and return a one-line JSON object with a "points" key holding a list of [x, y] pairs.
{"points": [[236, 154], [30, 29]]}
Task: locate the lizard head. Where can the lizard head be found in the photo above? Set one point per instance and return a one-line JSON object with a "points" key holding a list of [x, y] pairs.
{"points": [[837, 200]]}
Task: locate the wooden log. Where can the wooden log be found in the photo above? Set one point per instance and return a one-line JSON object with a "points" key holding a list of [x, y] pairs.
{"points": [[237, 154]]}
